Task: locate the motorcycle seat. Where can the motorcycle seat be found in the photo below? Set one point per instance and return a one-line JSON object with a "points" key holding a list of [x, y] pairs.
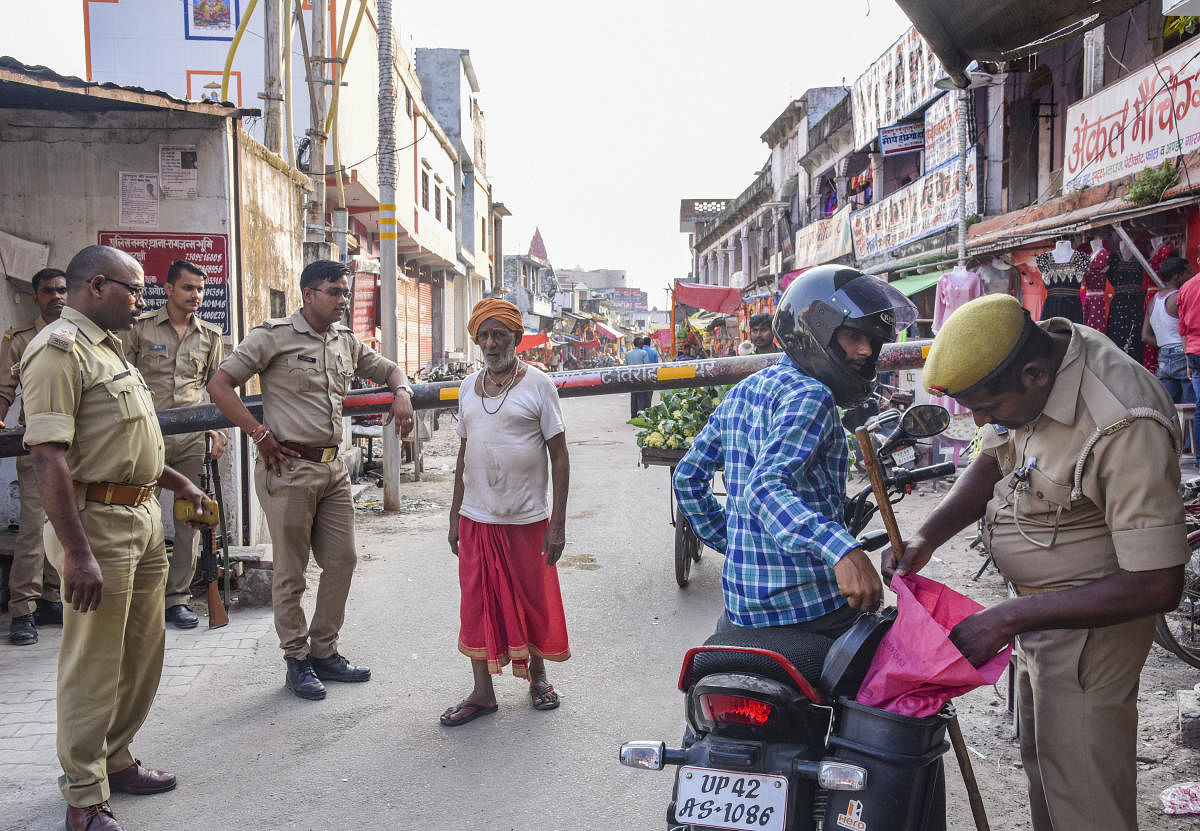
{"points": [[804, 651]]}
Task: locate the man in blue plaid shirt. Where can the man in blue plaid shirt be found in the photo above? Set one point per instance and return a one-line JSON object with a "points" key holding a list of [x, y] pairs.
{"points": [[789, 560]]}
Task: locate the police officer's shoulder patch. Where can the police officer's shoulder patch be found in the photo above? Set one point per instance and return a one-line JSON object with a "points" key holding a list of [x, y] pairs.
{"points": [[208, 327], [272, 322], [147, 315], [62, 336]]}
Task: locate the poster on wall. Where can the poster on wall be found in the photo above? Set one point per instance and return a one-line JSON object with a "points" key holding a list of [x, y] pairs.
{"points": [[364, 309], [824, 240], [901, 138], [210, 19], [138, 200], [177, 173], [927, 205], [900, 81], [155, 253], [941, 131], [1148, 117]]}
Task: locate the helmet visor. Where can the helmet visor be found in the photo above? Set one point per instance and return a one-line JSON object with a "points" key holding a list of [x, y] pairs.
{"points": [[866, 296]]}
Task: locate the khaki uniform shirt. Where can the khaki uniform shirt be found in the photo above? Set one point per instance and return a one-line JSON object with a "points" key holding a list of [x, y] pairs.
{"points": [[1129, 515], [177, 369], [12, 348], [305, 375], [79, 391]]}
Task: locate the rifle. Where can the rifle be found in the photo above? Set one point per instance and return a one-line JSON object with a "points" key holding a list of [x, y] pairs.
{"points": [[217, 616], [216, 484]]}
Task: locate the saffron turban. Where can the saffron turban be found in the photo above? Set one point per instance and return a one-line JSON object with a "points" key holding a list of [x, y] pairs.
{"points": [[503, 311]]}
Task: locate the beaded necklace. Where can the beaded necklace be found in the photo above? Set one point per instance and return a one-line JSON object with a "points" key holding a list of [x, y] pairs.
{"points": [[505, 388]]}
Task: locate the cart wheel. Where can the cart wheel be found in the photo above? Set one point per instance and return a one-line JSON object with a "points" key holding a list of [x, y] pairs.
{"points": [[687, 550]]}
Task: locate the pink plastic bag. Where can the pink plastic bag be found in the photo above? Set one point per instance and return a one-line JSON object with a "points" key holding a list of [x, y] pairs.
{"points": [[917, 669]]}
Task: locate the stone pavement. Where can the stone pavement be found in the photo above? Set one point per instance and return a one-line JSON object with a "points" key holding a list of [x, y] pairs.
{"points": [[28, 677]]}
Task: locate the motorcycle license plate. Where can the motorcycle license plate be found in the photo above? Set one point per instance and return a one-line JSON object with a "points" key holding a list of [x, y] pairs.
{"points": [[726, 799], [904, 456]]}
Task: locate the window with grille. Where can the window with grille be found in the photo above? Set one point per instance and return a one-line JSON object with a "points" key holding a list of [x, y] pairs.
{"points": [[449, 213], [437, 203], [425, 189]]}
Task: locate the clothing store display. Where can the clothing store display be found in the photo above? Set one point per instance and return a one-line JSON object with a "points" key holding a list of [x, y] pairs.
{"points": [[1125, 313], [1149, 357], [1094, 280], [954, 289], [1032, 291], [997, 280], [1062, 285]]}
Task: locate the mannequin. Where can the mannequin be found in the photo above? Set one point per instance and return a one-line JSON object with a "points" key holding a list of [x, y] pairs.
{"points": [[998, 275], [1063, 250], [1062, 271], [1094, 284]]}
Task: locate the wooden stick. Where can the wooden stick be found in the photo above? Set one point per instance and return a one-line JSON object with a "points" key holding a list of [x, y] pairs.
{"points": [[879, 486]]}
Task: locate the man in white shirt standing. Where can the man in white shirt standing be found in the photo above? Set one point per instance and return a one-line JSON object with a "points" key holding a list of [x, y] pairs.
{"points": [[507, 539]]}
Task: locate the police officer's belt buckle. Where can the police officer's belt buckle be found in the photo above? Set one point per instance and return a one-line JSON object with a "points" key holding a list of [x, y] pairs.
{"points": [[328, 454]]}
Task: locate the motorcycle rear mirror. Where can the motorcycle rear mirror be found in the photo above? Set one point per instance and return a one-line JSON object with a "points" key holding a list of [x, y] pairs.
{"points": [[924, 420]]}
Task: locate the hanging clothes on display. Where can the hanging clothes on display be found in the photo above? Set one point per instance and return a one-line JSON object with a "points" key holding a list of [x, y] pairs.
{"points": [[954, 288], [1094, 280], [1127, 310], [1033, 291], [1062, 285], [997, 277]]}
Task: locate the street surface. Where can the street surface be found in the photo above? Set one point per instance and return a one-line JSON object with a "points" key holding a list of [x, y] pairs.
{"points": [[251, 756]]}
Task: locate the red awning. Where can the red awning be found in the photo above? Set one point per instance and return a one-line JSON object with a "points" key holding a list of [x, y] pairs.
{"points": [[710, 298], [608, 331], [532, 341], [786, 279]]}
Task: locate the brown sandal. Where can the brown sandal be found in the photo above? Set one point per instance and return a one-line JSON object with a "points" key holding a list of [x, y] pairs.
{"points": [[543, 695], [470, 710]]}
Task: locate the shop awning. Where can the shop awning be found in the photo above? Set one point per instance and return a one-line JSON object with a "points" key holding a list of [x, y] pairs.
{"points": [[608, 331], [786, 279], [710, 298], [1002, 30], [908, 286], [574, 315], [703, 321], [532, 340]]}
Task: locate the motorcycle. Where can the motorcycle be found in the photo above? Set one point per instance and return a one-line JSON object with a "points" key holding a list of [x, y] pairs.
{"points": [[776, 741]]}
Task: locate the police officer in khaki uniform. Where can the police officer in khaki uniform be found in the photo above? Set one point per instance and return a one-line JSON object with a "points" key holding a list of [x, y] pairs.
{"points": [[178, 354], [32, 583], [98, 453], [305, 363], [1078, 480]]}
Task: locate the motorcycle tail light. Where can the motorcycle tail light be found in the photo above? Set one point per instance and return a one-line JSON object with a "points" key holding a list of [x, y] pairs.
{"points": [[736, 709], [839, 776]]}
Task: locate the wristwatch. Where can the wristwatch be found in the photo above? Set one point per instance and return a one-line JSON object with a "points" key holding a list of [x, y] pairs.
{"points": [[406, 387]]}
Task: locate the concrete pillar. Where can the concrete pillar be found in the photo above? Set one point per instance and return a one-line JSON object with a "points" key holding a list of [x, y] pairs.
{"points": [[1093, 61], [745, 236], [993, 196]]}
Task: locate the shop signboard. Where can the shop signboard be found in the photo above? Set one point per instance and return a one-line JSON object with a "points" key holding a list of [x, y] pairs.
{"points": [[927, 205], [900, 81], [941, 131], [156, 250], [902, 138], [365, 306], [824, 240], [1149, 116]]}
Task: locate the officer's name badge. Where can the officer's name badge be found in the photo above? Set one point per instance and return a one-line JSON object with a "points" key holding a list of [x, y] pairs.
{"points": [[63, 339], [307, 358], [154, 347]]}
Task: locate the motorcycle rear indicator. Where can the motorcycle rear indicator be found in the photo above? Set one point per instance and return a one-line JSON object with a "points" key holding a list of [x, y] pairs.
{"points": [[736, 709]]}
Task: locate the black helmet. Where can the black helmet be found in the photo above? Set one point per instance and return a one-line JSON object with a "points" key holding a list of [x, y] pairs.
{"points": [[824, 298]]}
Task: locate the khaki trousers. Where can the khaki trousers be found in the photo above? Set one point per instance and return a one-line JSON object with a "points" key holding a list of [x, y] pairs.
{"points": [[111, 659], [1077, 709], [185, 453], [32, 577], [309, 508]]}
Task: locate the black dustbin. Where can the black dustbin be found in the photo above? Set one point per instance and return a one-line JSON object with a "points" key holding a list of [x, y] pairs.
{"points": [[902, 756]]}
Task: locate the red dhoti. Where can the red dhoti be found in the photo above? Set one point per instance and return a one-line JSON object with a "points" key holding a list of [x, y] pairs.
{"points": [[511, 604]]}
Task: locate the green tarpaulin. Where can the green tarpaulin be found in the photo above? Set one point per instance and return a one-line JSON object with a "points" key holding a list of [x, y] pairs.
{"points": [[908, 286]]}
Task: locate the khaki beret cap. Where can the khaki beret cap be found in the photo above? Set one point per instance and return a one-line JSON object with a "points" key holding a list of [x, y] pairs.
{"points": [[976, 343]]}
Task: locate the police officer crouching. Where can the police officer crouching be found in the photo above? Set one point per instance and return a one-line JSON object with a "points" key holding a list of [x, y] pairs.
{"points": [[98, 454], [305, 363]]}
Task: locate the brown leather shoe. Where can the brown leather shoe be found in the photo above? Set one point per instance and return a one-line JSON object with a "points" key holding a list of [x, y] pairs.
{"points": [[140, 781], [92, 818]]}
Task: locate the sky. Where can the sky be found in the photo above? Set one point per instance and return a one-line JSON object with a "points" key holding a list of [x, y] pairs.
{"points": [[601, 117]]}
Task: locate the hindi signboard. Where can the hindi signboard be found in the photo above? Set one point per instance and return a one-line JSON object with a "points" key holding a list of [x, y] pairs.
{"points": [[902, 138], [156, 251], [824, 240], [1149, 116], [927, 205], [941, 131], [900, 81], [364, 307]]}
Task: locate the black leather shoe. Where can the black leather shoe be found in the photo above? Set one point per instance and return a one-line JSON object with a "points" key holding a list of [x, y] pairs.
{"points": [[181, 617], [337, 668], [22, 631], [48, 613], [302, 681]]}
